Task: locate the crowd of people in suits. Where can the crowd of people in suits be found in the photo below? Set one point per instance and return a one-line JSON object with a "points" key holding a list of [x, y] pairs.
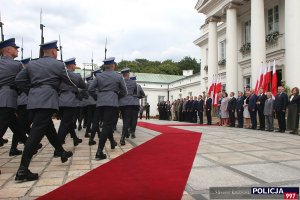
{"points": [[33, 91], [249, 109]]}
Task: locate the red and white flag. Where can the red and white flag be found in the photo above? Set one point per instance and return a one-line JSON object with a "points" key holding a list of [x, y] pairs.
{"points": [[259, 79], [274, 81], [217, 90], [267, 78]]}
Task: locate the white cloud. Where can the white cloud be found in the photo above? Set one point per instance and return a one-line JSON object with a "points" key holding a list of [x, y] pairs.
{"points": [[155, 30]]}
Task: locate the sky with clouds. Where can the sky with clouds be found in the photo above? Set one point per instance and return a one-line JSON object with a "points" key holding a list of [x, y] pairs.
{"points": [[155, 30]]}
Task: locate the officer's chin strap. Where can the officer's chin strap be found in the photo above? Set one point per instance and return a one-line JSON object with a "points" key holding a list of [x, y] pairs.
{"points": [[69, 76]]}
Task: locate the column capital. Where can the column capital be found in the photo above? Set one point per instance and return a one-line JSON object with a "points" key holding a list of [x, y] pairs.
{"points": [[231, 5], [212, 19]]}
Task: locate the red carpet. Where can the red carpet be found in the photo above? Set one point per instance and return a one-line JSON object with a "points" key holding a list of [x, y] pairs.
{"points": [[157, 169]]}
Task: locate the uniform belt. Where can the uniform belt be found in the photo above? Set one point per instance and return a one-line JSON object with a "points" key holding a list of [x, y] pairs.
{"points": [[43, 86], [6, 87]]}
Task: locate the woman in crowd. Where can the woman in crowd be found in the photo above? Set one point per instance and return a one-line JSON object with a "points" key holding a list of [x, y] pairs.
{"points": [[293, 111], [223, 109], [269, 112], [246, 111]]}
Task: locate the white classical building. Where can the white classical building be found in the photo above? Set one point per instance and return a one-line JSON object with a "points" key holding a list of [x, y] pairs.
{"points": [[238, 35], [162, 87]]}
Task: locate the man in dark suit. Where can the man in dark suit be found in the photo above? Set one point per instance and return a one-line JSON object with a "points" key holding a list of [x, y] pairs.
{"points": [[260, 108], [280, 104], [240, 109], [252, 109], [199, 108], [231, 109], [208, 109], [194, 110]]}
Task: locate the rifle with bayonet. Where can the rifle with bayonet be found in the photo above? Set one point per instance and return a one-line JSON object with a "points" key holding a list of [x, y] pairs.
{"points": [[60, 48], [42, 33], [1, 26]]}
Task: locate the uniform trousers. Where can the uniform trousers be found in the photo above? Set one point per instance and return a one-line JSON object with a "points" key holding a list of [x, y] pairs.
{"points": [[129, 116], [66, 125], [8, 119], [42, 125], [108, 114], [90, 117], [23, 116]]}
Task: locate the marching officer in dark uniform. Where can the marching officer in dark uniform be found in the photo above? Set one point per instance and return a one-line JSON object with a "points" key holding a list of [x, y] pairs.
{"points": [[97, 119], [68, 99], [138, 94], [110, 86], [45, 75], [9, 68], [91, 106], [22, 111], [129, 106]]}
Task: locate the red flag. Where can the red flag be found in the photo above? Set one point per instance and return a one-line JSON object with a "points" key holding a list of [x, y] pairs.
{"points": [[267, 78], [264, 78], [274, 81], [218, 89], [259, 80], [211, 87]]}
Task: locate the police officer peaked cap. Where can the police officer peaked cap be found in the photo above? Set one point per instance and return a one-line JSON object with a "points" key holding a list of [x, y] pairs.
{"points": [[50, 45], [70, 61], [25, 61], [9, 43], [133, 78], [109, 61], [126, 70]]}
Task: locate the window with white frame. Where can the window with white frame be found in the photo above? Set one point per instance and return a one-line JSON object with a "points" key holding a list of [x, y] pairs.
{"points": [[161, 98], [273, 19], [223, 50], [247, 32], [180, 96], [247, 81], [190, 93]]}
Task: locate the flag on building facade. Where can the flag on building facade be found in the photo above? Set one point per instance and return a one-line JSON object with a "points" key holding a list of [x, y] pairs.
{"points": [[274, 81]]}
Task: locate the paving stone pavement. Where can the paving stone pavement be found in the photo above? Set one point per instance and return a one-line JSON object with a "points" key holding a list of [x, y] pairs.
{"points": [[225, 157]]}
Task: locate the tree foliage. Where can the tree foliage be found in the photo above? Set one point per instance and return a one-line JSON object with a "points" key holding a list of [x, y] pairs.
{"points": [[157, 67]]}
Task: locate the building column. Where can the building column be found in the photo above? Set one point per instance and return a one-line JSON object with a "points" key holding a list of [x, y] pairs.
{"points": [[231, 49], [292, 43], [212, 48], [258, 35]]}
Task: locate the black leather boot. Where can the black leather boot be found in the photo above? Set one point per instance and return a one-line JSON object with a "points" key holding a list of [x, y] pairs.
{"points": [[86, 135], [24, 174], [100, 155], [65, 155], [15, 152], [113, 144], [132, 135], [76, 141]]}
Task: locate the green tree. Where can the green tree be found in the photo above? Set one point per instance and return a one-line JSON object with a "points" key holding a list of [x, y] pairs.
{"points": [[188, 63]]}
